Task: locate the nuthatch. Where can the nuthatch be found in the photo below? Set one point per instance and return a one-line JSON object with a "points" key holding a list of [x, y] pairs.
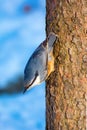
{"points": [[41, 63]]}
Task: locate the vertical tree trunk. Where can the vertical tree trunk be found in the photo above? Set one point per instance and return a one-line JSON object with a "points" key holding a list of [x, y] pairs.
{"points": [[66, 88]]}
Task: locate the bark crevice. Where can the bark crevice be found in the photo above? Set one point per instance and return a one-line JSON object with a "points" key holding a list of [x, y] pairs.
{"points": [[66, 87]]}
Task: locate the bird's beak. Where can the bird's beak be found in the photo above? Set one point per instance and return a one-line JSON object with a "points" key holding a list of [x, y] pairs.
{"points": [[25, 89]]}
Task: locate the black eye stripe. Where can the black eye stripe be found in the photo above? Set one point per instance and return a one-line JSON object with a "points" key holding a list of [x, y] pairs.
{"points": [[36, 74]]}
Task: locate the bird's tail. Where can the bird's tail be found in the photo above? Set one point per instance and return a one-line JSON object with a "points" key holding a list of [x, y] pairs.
{"points": [[51, 39]]}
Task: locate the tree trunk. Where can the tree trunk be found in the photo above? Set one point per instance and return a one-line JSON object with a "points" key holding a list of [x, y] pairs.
{"points": [[66, 87]]}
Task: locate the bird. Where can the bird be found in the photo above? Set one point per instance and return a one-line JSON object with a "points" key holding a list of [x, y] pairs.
{"points": [[41, 63]]}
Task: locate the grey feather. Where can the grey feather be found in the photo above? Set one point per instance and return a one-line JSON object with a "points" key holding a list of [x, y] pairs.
{"points": [[51, 39], [38, 61]]}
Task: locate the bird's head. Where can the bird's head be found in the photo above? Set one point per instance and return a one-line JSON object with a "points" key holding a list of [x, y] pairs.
{"points": [[28, 84]]}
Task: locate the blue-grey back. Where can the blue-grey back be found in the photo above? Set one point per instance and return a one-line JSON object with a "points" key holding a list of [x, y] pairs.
{"points": [[37, 62]]}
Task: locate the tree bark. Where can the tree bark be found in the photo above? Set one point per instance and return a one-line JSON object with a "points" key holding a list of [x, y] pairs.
{"points": [[66, 87]]}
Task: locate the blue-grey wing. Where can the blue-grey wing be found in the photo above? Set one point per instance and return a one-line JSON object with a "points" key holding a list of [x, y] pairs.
{"points": [[37, 62]]}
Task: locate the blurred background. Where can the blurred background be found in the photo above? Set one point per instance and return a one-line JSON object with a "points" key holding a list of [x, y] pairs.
{"points": [[22, 29]]}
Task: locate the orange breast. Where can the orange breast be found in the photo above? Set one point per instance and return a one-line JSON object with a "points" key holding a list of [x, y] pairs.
{"points": [[50, 64]]}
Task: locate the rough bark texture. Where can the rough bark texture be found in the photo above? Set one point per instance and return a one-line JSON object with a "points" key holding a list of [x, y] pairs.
{"points": [[66, 88]]}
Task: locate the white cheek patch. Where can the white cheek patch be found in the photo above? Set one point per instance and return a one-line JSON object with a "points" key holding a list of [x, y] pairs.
{"points": [[36, 82]]}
